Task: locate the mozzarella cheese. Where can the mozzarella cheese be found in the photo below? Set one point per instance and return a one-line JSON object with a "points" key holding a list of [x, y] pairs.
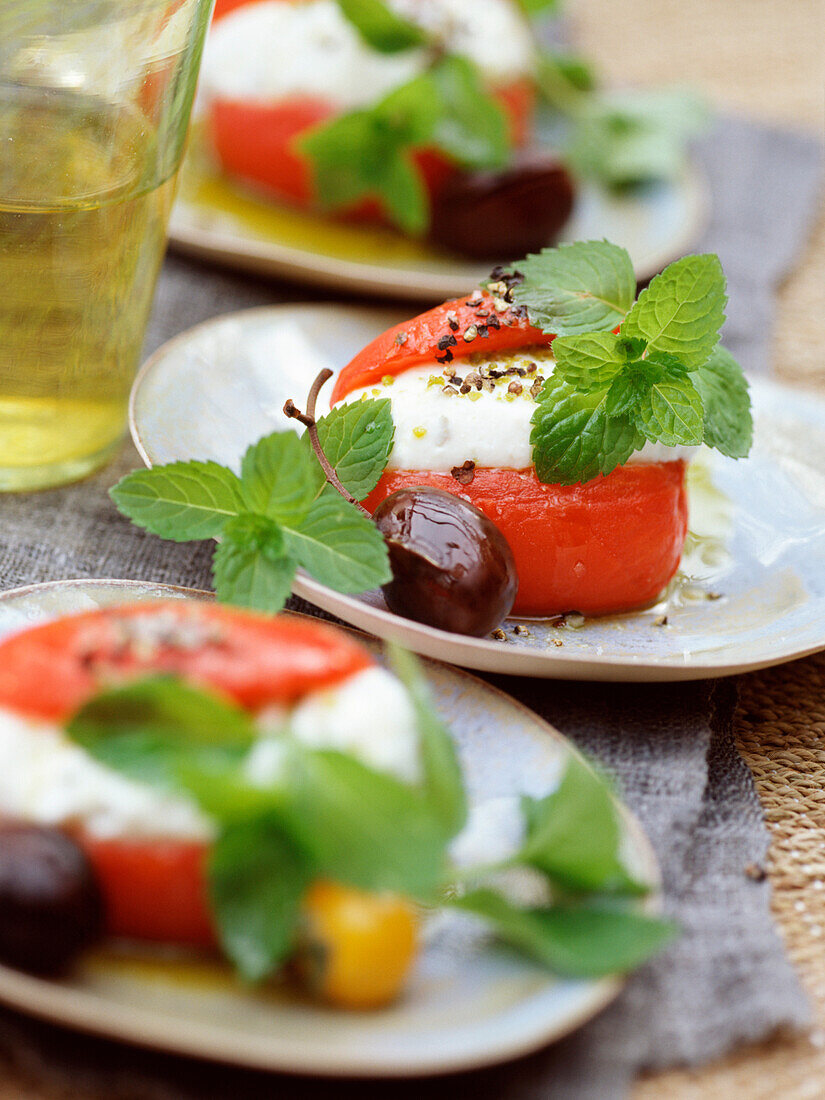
{"points": [[274, 50], [48, 780], [438, 427]]}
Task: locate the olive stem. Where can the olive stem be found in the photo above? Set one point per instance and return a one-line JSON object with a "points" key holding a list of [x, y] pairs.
{"points": [[291, 410]]}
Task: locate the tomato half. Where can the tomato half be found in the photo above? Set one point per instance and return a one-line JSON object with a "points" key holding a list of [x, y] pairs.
{"points": [[440, 334], [607, 546], [257, 143], [155, 888]]}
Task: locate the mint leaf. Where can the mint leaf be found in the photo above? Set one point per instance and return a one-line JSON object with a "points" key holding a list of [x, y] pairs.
{"points": [[276, 480], [594, 358], [367, 153], [671, 413], [361, 826], [573, 437], [443, 781], [574, 834], [727, 408], [380, 27], [576, 288], [251, 567], [583, 941], [357, 440], [257, 879], [149, 729], [470, 126], [628, 137], [682, 310], [164, 707], [532, 7], [339, 546], [362, 155], [181, 501]]}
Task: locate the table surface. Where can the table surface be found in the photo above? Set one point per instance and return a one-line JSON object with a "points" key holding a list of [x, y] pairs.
{"points": [[764, 59]]}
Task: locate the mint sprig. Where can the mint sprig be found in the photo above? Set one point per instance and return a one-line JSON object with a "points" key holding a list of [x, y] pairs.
{"points": [[382, 28], [322, 813], [661, 378], [279, 514], [368, 153]]}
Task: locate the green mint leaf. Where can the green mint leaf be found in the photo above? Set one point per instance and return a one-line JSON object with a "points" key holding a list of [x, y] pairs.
{"points": [[583, 941], [165, 707], [682, 310], [470, 126], [443, 781], [593, 359], [363, 827], [150, 729], [257, 879], [368, 153], [573, 437], [362, 155], [533, 7], [574, 834], [182, 501], [251, 567], [380, 27], [727, 408], [630, 137], [357, 440], [276, 479], [671, 412], [576, 288], [339, 546]]}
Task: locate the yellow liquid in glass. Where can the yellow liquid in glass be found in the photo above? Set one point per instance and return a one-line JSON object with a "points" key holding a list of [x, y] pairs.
{"points": [[82, 232]]}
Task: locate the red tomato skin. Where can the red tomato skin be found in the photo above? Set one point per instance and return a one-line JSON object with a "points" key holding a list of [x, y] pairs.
{"points": [[257, 143], [416, 341], [608, 546], [49, 671], [153, 889]]}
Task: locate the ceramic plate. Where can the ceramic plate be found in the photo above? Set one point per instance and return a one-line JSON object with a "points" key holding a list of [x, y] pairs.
{"points": [[467, 1004], [217, 221], [751, 589]]}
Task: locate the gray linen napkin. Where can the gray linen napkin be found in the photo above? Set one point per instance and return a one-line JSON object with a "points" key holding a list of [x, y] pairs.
{"points": [[670, 746]]}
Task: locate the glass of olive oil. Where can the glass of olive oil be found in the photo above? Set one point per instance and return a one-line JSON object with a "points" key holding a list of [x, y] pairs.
{"points": [[95, 97]]}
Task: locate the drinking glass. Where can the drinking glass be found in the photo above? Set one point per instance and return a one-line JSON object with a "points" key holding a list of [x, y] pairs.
{"points": [[95, 97]]}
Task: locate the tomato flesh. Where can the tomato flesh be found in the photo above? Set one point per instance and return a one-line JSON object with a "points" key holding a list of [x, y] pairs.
{"points": [[607, 546], [154, 888]]}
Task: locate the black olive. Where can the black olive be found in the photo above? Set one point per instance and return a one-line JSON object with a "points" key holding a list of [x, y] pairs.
{"points": [[452, 567], [497, 215], [50, 904]]}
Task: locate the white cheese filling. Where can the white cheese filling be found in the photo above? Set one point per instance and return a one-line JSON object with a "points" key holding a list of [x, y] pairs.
{"points": [[438, 427], [270, 51], [46, 779]]}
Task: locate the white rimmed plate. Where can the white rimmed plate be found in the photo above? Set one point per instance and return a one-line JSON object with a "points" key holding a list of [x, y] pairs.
{"points": [[751, 591], [216, 220], [467, 1005]]}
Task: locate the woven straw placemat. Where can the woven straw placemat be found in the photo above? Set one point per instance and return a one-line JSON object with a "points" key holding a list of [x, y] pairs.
{"points": [[765, 58]]}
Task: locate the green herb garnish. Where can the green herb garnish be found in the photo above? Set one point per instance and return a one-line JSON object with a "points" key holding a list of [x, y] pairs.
{"points": [[317, 813], [279, 514], [661, 378], [381, 27], [368, 153]]}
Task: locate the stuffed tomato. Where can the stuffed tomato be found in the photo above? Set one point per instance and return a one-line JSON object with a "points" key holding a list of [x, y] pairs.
{"points": [[149, 848], [463, 380], [274, 70]]}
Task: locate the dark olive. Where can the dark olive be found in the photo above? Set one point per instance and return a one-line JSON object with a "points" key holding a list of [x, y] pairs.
{"points": [[452, 567], [498, 215], [50, 905]]}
